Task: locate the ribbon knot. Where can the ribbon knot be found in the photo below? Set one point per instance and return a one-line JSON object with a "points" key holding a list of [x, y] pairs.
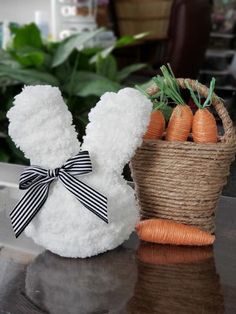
{"points": [[53, 173], [37, 180]]}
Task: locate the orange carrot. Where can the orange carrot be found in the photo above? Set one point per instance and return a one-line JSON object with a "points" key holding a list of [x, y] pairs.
{"points": [[180, 124], [170, 232], [156, 126], [157, 122], [181, 119], [204, 128], [158, 254]]}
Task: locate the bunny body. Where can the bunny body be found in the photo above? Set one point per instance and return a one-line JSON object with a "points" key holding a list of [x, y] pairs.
{"points": [[41, 125]]}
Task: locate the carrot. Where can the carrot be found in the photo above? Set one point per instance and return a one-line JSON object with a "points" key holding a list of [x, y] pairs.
{"points": [[180, 122], [156, 126], [170, 232], [157, 122], [204, 128], [158, 254]]}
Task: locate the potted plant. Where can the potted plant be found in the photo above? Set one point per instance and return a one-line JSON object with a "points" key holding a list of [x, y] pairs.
{"points": [[82, 75]]}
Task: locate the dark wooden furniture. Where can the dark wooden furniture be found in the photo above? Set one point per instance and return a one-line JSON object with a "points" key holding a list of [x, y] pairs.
{"points": [[185, 46]]}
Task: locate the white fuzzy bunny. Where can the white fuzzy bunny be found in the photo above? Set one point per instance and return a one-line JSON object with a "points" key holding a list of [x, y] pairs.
{"points": [[41, 125]]}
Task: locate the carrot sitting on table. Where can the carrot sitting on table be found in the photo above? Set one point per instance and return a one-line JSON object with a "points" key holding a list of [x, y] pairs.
{"points": [[165, 231]]}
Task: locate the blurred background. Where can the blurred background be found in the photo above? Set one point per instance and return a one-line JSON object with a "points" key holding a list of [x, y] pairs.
{"points": [[87, 47]]}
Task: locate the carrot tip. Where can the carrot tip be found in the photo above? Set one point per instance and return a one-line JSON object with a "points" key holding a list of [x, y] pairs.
{"points": [[213, 239]]}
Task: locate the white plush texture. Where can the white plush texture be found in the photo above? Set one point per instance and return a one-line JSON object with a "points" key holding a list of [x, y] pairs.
{"points": [[41, 125]]}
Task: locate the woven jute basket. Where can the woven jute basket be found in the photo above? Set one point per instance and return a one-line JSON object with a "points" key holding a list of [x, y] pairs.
{"points": [[182, 181]]}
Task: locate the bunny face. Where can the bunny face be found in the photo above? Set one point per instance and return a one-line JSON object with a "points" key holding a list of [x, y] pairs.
{"points": [[117, 124]]}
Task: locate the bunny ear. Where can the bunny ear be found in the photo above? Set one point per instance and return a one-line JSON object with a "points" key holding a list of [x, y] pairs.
{"points": [[41, 126], [116, 127]]}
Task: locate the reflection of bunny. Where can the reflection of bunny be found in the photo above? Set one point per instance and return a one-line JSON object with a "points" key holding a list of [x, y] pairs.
{"points": [[103, 284], [41, 126]]}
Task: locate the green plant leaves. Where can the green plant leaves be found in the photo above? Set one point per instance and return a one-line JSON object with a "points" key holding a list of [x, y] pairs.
{"points": [[6, 59], [27, 46], [4, 157], [27, 36], [87, 83], [66, 47], [107, 67], [121, 42], [28, 56], [129, 39], [125, 72], [17, 154], [28, 76], [82, 74]]}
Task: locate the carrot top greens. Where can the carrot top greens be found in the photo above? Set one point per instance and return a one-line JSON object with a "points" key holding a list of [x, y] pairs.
{"points": [[197, 98], [159, 100], [169, 84]]}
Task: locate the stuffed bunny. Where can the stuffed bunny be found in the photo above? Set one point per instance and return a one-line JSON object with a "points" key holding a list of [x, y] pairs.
{"points": [[103, 284], [41, 126]]}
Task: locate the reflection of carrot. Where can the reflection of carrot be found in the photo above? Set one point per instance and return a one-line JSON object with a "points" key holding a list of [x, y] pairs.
{"points": [[158, 254], [170, 232], [204, 128], [156, 126], [180, 124]]}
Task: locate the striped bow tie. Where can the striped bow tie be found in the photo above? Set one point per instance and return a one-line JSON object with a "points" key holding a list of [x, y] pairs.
{"points": [[38, 180]]}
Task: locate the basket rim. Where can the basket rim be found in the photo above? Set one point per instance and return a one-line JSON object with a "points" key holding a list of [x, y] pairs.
{"points": [[199, 146], [217, 102]]}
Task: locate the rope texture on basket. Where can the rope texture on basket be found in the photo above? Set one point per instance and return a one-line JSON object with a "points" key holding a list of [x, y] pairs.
{"points": [[182, 181]]}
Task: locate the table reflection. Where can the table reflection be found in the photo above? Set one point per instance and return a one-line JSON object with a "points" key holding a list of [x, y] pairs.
{"points": [[101, 284], [175, 279]]}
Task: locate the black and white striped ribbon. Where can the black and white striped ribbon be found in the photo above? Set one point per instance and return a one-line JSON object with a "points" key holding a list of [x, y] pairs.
{"points": [[38, 180]]}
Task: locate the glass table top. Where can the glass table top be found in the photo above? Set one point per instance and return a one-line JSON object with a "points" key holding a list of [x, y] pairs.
{"points": [[134, 278]]}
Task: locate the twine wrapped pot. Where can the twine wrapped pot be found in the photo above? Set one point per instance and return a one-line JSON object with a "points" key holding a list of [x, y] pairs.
{"points": [[182, 181]]}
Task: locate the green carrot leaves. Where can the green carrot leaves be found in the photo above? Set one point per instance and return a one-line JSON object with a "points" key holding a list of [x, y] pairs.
{"points": [[197, 98], [169, 85]]}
